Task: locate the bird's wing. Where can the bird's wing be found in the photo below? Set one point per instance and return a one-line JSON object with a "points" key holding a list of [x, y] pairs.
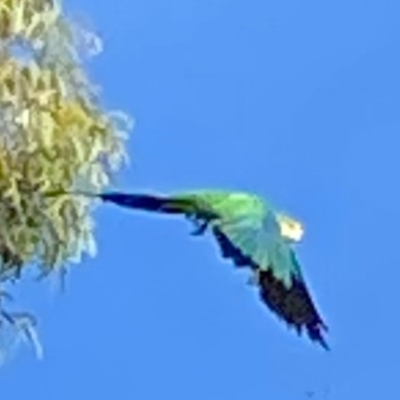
{"points": [[248, 242]]}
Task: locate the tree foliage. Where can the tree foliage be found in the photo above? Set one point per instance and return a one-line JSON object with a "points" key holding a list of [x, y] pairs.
{"points": [[54, 135]]}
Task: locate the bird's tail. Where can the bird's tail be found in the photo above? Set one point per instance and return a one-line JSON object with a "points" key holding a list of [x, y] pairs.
{"points": [[138, 201]]}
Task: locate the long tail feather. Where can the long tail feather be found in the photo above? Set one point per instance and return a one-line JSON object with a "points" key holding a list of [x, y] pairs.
{"points": [[146, 202], [137, 201]]}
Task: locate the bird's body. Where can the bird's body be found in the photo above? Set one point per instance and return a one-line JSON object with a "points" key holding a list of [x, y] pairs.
{"points": [[252, 234]]}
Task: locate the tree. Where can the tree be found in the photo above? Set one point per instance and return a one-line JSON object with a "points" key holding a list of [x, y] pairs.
{"points": [[54, 135]]}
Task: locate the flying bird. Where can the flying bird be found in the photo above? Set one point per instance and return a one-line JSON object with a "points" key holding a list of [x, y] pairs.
{"points": [[250, 233]]}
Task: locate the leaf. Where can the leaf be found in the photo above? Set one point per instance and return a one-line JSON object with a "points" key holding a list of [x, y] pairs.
{"points": [[20, 329], [55, 134], [18, 22]]}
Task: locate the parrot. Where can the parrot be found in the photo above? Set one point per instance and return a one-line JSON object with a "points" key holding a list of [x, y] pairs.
{"points": [[250, 233]]}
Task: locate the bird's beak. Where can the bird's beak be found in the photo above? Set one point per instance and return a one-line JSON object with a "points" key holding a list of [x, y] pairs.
{"points": [[290, 228]]}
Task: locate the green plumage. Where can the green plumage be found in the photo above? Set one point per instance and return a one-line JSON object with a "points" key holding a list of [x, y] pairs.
{"points": [[250, 233], [251, 225]]}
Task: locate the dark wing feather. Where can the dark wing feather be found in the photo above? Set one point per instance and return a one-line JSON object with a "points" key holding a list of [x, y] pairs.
{"points": [[293, 305]]}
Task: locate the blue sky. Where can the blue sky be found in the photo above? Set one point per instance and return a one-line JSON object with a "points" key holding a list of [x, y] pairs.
{"points": [[295, 100]]}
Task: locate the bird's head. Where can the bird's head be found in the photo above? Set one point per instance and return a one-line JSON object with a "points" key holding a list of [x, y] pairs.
{"points": [[290, 228]]}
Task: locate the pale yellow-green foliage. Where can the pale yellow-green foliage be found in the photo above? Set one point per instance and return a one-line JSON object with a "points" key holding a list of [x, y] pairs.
{"points": [[54, 135]]}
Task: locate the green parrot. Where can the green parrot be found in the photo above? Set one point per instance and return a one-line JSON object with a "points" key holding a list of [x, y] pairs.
{"points": [[250, 233]]}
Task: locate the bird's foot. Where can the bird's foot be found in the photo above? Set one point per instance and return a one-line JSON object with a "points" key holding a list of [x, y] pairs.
{"points": [[200, 227], [201, 221]]}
